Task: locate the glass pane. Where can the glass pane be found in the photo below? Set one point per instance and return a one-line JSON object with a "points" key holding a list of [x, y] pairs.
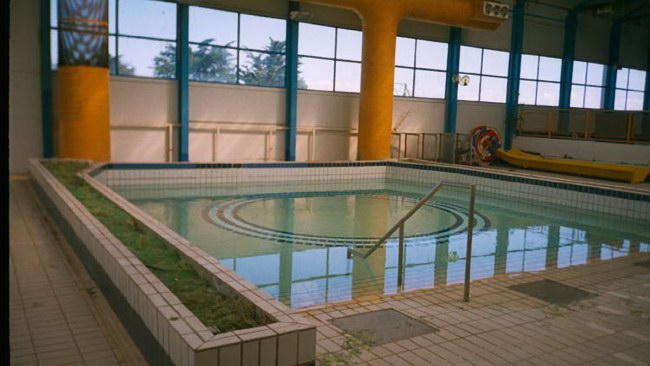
{"points": [[550, 68], [316, 40], [116, 63], [54, 13], [593, 97], [54, 49], [548, 94], [527, 92], [621, 78], [112, 60], [214, 26], [579, 72], [595, 74], [429, 84], [577, 96], [258, 33], [619, 100], [637, 80], [111, 17], [261, 68], [431, 55], [495, 62], [146, 18], [348, 76], [317, 74], [634, 101], [209, 63], [529, 65], [348, 43], [403, 86], [470, 91], [148, 58], [470, 60], [405, 52], [493, 89]]}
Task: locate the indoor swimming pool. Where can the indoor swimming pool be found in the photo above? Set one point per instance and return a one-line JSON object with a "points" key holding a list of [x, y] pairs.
{"points": [[291, 238]]}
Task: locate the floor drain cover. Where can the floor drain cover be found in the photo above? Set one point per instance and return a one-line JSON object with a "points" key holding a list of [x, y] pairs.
{"points": [[552, 292], [383, 326], [643, 264]]}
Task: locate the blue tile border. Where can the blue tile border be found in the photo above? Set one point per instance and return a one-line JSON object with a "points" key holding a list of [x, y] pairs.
{"points": [[576, 187]]}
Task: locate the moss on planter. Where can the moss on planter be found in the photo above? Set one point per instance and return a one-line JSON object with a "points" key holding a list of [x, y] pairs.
{"points": [[214, 309]]}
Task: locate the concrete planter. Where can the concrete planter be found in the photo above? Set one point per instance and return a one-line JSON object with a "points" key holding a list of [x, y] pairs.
{"points": [[166, 331]]}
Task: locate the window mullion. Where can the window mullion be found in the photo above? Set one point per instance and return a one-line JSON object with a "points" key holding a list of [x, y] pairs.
{"points": [[336, 46]]}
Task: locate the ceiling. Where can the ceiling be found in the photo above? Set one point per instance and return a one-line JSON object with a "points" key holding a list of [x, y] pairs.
{"points": [[626, 11], [636, 12]]}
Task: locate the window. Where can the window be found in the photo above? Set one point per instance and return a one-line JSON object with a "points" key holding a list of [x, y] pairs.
{"points": [[488, 72], [225, 47], [540, 80], [213, 43], [228, 47], [420, 68], [587, 85], [146, 39], [329, 58], [630, 89]]}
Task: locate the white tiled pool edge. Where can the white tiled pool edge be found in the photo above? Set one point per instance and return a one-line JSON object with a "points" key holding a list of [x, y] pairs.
{"points": [[541, 194], [291, 340], [516, 187]]}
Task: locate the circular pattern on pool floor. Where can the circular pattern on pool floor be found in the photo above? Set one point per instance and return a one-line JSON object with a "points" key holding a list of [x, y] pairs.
{"points": [[225, 215]]}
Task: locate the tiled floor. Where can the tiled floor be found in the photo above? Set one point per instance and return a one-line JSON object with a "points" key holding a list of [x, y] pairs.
{"points": [[500, 326], [57, 316]]}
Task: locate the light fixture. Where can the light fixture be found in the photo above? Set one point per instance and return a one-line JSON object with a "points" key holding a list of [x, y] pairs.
{"points": [[495, 9], [460, 80]]}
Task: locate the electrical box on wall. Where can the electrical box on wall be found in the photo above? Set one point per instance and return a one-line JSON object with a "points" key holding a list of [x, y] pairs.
{"points": [[495, 9]]}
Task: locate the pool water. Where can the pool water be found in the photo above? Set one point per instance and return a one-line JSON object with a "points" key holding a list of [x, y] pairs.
{"points": [[291, 239]]}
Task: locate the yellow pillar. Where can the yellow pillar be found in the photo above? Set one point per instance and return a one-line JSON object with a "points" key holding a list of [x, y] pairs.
{"points": [[83, 123], [380, 19], [377, 80]]}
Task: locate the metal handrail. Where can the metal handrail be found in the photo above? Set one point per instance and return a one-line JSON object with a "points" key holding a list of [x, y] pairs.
{"points": [[406, 216], [400, 225]]}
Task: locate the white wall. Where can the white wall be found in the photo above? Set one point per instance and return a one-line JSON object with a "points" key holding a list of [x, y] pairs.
{"points": [[141, 111], [472, 114], [25, 131]]}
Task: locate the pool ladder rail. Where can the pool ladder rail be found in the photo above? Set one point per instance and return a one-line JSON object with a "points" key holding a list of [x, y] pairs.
{"points": [[400, 226]]}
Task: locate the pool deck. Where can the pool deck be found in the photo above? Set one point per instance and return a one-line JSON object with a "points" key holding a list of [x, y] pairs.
{"points": [[636, 187], [57, 316]]}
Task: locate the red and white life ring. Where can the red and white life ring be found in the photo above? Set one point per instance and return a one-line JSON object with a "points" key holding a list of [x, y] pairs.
{"points": [[485, 141]]}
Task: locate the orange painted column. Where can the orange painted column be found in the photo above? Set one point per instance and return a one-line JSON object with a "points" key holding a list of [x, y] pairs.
{"points": [[377, 79], [83, 125]]}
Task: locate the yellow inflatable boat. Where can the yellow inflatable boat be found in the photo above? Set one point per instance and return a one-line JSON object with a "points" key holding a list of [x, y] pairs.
{"points": [[619, 172]]}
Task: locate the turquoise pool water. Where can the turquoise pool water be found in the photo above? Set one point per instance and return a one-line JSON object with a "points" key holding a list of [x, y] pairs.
{"points": [[291, 239]]}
